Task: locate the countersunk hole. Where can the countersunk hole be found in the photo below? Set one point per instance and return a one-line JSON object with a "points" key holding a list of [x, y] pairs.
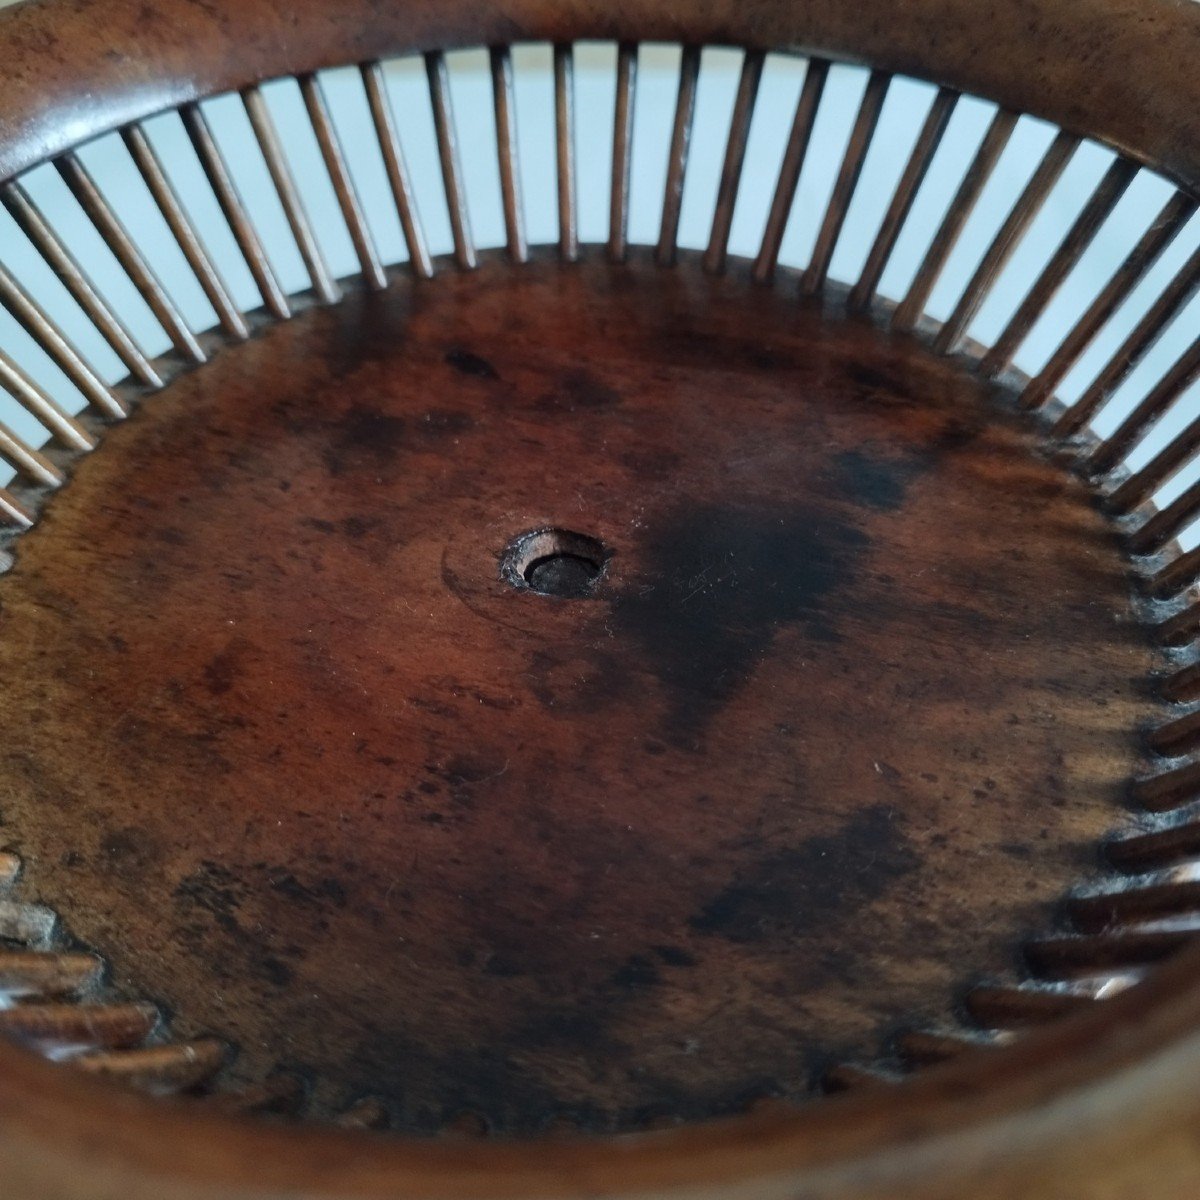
{"points": [[555, 562]]}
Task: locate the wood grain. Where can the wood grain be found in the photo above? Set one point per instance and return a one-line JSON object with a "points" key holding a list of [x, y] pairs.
{"points": [[847, 714]]}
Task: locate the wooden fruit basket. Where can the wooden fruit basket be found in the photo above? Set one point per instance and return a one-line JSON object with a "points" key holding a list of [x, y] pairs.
{"points": [[595, 719]]}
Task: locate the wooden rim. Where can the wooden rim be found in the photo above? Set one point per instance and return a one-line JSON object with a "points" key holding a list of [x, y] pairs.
{"points": [[1105, 1093], [1087, 72]]}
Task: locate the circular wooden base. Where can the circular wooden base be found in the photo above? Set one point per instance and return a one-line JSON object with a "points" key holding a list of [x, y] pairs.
{"points": [[845, 712]]}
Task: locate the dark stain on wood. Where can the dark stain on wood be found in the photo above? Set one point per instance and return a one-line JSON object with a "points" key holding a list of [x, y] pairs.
{"points": [[471, 364], [717, 583], [823, 879]]}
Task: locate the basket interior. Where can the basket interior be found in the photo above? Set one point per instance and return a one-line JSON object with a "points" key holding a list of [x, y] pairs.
{"points": [[1059, 277]]}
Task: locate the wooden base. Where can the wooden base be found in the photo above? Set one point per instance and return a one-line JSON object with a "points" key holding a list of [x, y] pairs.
{"points": [[848, 709]]}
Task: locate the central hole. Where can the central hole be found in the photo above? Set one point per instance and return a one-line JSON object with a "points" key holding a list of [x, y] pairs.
{"points": [[555, 562], [562, 575]]}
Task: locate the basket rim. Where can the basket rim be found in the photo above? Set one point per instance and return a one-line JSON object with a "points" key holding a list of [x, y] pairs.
{"points": [[1095, 1096], [73, 73]]}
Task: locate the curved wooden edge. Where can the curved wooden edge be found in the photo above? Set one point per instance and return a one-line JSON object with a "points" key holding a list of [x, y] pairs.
{"points": [[1122, 71], [1102, 1104]]}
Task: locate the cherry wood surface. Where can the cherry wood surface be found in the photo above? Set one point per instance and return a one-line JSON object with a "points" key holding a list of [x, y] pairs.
{"points": [[851, 708]]}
